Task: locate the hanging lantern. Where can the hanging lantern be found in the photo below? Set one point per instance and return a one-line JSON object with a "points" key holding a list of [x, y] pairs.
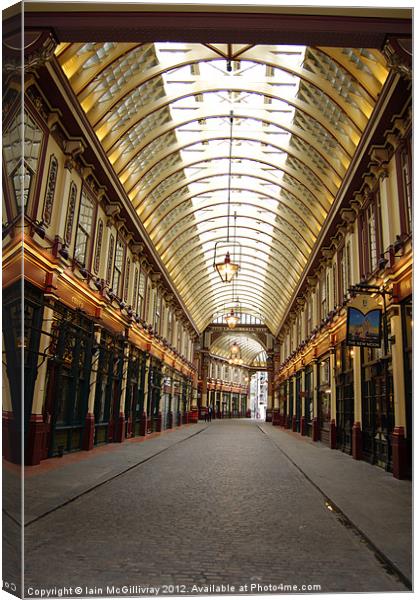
{"points": [[226, 268], [232, 319]]}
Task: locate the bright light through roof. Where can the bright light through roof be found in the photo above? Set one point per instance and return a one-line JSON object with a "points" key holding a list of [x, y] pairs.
{"points": [[161, 112]]}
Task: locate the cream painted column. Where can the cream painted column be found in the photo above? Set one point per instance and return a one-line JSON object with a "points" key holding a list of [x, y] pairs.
{"points": [[397, 359], [93, 373], [146, 381], [204, 393], [36, 446], [400, 447], [303, 389], [357, 425], [41, 377], [294, 395], [120, 434], [294, 403], [356, 361], [315, 390], [315, 432], [276, 399], [89, 428], [332, 386]]}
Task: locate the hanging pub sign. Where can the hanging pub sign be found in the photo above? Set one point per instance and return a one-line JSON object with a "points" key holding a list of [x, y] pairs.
{"points": [[364, 322]]}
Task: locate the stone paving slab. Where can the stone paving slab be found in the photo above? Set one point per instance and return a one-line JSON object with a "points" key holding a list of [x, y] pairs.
{"points": [[45, 490], [225, 507], [378, 504]]}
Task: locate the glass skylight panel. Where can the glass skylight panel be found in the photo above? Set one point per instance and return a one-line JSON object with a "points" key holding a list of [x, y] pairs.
{"points": [[275, 189]]}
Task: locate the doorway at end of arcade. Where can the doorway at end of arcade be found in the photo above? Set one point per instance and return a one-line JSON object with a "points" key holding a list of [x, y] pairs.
{"points": [[259, 394]]}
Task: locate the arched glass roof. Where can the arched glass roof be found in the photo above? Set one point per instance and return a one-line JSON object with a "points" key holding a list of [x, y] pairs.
{"points": [[251, 350], [162, 113]]}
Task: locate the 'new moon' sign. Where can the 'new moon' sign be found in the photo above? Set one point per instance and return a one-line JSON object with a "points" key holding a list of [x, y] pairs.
{"points": [[364, 324]]}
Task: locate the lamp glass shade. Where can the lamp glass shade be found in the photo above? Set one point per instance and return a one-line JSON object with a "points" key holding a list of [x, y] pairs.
{"points": [[226, 270], [235, 349], [232, 320]]}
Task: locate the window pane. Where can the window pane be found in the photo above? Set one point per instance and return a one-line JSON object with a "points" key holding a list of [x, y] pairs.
{"points": [[81, 246]]}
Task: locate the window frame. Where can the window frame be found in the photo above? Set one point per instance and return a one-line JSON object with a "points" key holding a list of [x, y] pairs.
{"points": [[90, 236], [116, 289], [371, 211], [404, 187]]}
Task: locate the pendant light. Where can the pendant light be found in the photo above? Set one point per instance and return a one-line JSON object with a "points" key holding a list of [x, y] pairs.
{"points": [[227, 267]]}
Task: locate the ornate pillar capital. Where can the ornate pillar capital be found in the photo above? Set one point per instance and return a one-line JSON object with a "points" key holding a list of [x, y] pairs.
{"points": [[38, 48]]}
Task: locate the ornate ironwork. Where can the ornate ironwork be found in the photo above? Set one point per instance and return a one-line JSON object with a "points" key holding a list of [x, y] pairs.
{"points": [[96, 262], [50, 191], [70, 213], [126, 282], [110, 258]]}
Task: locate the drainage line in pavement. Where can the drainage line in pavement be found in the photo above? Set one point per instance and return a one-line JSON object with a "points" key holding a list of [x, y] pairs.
{"points": [[388, 564], [141, 462], [11, 517]]}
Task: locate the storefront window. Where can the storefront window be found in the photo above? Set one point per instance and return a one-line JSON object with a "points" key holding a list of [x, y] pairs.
{"points": [[324, 398]]}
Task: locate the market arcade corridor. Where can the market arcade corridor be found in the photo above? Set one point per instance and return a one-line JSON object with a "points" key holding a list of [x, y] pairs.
{"points": [[207, 211], [219, 503]]}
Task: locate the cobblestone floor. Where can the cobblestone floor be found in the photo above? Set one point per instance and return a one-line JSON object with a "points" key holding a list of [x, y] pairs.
{"points": [[222, 507]]}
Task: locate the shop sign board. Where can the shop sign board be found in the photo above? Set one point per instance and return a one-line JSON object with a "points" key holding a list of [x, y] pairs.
{"points": [[364, 322]]}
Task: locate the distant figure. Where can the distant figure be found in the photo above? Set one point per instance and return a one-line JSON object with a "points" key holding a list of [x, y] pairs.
{"points": [[209, 413], [206, 415]]}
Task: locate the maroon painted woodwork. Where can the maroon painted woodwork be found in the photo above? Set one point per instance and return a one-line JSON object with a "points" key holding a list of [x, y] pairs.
{"points": [[143, 424], [119, 430], [169, 420], [129, 428], [193, 416], [303, 425], [399, 451], [268, 415], [294, 423], [332, 440], [276, 415], [36, 448], [89, 432], [11, 440], [356, 441], [237, 26], [315, 431]]}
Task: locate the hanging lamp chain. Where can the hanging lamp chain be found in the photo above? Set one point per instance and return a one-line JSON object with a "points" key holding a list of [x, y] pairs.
{"points": [[229, 176]]}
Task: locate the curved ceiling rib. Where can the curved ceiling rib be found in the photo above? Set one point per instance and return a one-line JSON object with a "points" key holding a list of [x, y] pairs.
{"points": [[298, 258], [327, 178], [158, 222], [98, 111], [120, 159], [301, 197], [173, 170], [194, 244], [162, 112], [271, 272], [181, 192], [110, 135], [250, 347]]}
